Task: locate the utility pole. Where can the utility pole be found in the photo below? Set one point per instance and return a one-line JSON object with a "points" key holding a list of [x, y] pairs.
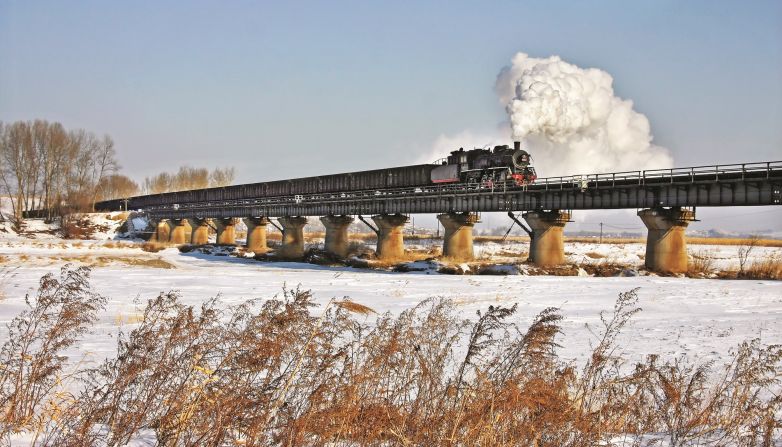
{"points": [[601, 232]]}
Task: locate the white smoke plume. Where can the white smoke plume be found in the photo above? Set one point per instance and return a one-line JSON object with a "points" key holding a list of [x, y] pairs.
{"points": [[571, 122]]}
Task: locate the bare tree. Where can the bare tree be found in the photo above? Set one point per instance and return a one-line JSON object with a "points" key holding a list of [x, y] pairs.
{"points": [[54, 161], [158, 184], [105, 164], [222, 177], [117, 186], [4, 173], [44, 167], [18, 163], [191, 178], [95, 159], [188, 178]]}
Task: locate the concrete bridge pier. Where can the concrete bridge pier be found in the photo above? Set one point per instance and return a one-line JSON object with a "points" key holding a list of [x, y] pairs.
{"points": [[256, 234], [457, 240], [200, 231], [180, 231], [390, 241], [292, 237], [666, 248], [226, 230], [162, 231], [337, 234], [547, 248]]}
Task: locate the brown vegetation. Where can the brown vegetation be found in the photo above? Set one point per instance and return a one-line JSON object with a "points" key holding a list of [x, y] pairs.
{"points": [[735, 241], [605, 268], [118, 216], [280, 372], [606, 240], [188, 178], [31, 359], [701, 264], [118, 244], [690, 240], [43, 166], [769, 267], [155, 263], [512, 254], [90, 260], [117, 186], [371, 236], [595, 255], [154, 247], [80, 226]]}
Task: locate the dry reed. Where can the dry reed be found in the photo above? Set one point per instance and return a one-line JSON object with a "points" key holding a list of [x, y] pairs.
{"points": [[768, 267], [282, 372]]}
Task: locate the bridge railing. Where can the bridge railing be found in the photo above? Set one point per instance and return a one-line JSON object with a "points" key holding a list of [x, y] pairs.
{"points": [[653, 176], [714, 171]]}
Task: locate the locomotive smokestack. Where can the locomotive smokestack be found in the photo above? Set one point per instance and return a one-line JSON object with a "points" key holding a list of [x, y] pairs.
{"points": [[517, 145]]}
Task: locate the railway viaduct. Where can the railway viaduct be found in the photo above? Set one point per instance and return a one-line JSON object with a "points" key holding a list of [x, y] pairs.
{"points": [[665, 200]]}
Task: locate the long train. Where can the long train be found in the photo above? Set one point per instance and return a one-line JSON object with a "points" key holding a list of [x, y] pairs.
{"points": [[474, 168]]}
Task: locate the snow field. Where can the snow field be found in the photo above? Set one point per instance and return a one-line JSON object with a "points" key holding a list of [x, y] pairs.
{"points": [[699, 318]]}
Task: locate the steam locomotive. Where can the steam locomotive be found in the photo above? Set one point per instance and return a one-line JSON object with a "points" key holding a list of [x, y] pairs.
{"points": [[486, 167], [501, 166]]}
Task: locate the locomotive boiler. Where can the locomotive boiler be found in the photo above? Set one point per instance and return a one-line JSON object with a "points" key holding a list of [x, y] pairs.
{"points": [[502, 164]]}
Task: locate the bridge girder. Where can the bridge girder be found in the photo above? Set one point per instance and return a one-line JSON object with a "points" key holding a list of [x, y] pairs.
{"points": [[735, 192]]}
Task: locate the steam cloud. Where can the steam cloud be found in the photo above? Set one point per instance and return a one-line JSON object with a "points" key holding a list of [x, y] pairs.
{"points": [[571, 121]]}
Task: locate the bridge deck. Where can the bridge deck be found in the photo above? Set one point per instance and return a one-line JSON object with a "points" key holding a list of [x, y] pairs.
{"points": [[724, 185]]}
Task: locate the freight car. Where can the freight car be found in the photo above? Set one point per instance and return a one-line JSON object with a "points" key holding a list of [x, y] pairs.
{"points": [[474, 168]]}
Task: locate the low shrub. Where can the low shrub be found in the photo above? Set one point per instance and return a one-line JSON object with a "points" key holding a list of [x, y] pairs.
{"points": [[701, 264], [154, 247], [595, 255], [768, 267], [74, 229], [605, 269]]}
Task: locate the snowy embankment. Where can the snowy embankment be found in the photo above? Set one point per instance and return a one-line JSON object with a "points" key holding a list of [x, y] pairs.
{"points": [[697, 317]]}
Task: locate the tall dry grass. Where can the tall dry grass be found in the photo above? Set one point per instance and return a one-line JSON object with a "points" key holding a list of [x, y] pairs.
{"points": [[767, 267], [32, 367], [690, 240], [285, 372], [702, 263]]}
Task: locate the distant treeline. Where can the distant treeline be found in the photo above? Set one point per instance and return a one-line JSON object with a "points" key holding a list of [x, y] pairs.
{"points": [[188, 178], [44, 166]]}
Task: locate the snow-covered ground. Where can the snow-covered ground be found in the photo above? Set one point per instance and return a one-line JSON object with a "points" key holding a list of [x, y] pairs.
{"points": [[104, 226], [697, 317], [723, 257]]}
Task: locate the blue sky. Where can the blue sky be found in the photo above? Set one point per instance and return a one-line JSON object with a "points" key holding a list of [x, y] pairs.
{"points": [[301, 88]]}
